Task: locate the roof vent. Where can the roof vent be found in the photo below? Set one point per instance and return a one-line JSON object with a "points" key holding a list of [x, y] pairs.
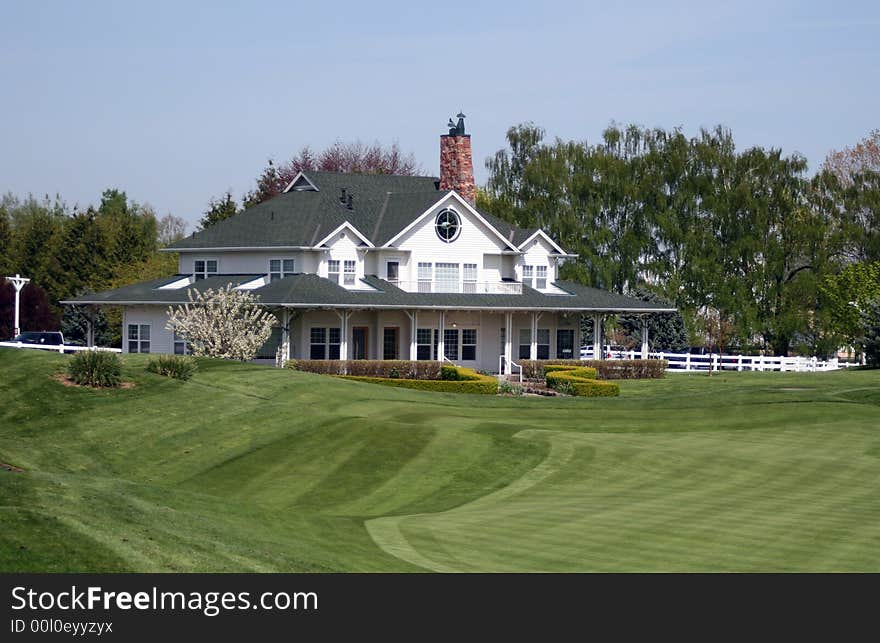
{"points": [[350, 203], [342, 196]]}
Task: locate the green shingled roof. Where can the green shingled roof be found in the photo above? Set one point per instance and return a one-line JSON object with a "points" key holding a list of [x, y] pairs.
{"points": [[312, 291], [382, 206]]}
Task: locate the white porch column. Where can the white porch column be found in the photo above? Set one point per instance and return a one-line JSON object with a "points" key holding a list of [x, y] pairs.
{"points": [[644, 338], [344, 317], [533, 349], [597, 337], [508, 342], [413, 334], [441, 350], [285, 335], [90, 327]]}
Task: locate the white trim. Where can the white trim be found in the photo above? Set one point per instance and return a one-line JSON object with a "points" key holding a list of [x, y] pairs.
{"points": [[243, 249], [466, 205], [299, 175], [339, 229], [546, 238], [325, 306], [259, 282], [177, 284]]}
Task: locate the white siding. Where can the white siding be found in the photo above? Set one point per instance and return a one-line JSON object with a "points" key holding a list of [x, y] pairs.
{"points": [[473, 242], [160, 338], [248, 263], [346, 246], [537, 253]]}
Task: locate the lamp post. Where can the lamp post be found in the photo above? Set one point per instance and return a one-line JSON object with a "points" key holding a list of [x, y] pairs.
{"points": [[18, 282]]}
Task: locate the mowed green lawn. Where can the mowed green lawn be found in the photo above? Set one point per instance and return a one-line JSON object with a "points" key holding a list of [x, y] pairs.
{"points": [[248, 468]]}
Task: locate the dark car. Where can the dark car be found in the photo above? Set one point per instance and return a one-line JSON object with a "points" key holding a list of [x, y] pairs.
{"points": [[42, 337]]}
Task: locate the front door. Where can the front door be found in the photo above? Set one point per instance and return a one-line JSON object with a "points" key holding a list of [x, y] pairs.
{"points": [[390, 344], [359, 337]]}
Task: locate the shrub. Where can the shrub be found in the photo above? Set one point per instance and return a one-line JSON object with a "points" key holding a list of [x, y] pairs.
{"points": [[449, 373], [579, 380], [470, 382], [606, 369], [588, 371], [179, 367], [508, 388], [96, 368], [390, 368], [463, 380]]}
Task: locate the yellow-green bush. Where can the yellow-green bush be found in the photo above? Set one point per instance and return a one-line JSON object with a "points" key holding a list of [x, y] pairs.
{"points": [[469, 381], [580, 381], [584, 371]]}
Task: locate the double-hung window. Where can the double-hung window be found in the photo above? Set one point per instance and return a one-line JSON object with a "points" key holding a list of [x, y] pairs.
{"points": [[447, 277], [543, 341], [138, 338], [333, 270], [541, 277], [392, 271], [280, 268], [179, 344], [525, 343], [528, 276], [469, 278], [423, 343], [333, 343], [324, 343], [349, 272], [425, 276], [204, 268], [468, 343]]}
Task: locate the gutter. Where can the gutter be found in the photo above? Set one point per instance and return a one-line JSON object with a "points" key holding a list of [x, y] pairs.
{"points": [[394, 306]]}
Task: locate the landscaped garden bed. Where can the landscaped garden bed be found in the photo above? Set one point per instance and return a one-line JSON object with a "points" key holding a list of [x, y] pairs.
{"points": [[420, 375], [606, 369]]}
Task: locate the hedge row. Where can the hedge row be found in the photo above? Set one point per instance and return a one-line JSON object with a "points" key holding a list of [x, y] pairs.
{"points": [[588, 372], [391, 368], [606, 369], [469, 382], [580, 381]]}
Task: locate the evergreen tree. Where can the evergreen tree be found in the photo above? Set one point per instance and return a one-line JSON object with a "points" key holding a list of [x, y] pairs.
{"points": [[218, 210]]}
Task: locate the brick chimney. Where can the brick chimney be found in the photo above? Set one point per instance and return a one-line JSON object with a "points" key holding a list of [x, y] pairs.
{"points": [[456, 162]]}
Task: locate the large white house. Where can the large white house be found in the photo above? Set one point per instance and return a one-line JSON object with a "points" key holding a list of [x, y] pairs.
{"points": [[361, 266]]}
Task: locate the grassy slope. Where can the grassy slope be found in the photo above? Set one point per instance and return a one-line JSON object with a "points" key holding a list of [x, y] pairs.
{"points": [[249, 468]]}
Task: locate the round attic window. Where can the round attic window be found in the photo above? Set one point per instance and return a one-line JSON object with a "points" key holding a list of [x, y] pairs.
{"points": [[448, 225]]}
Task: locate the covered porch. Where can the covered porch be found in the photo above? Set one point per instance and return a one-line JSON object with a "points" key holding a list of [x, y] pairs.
{"points": [[484, 339]]}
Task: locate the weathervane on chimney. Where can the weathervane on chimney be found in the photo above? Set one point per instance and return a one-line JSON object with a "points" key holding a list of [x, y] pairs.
{"points": [[456, 129]]}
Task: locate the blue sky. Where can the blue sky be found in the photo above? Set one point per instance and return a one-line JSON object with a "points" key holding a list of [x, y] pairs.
{"points": [[177, 102]]}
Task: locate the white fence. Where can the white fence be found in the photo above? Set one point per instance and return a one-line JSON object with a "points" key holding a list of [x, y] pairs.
{"points": [[688, 362], [60, 348]]}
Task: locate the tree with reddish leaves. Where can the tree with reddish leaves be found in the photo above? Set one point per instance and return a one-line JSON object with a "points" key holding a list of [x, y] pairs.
{"points": [[34, 310], [355, 158], [849, 162], [856, 189]]}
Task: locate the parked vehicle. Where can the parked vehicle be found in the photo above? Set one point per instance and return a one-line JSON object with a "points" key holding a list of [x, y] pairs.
{"points": [[609, 351], [44, 337]]}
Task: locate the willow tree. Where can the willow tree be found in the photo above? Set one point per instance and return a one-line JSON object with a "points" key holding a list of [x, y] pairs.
{"points": [[703, 225]]}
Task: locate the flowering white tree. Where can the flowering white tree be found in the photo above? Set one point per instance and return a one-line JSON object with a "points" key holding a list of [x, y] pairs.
{"points": [[226, 323]]}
